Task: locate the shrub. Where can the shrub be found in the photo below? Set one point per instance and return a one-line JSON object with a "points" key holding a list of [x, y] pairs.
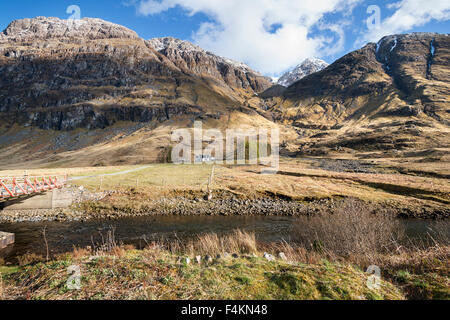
{"points": [[350, 231]]}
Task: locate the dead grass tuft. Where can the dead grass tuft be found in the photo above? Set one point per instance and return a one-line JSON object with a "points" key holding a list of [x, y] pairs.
{"points": [[30, 258], [239, 242]]}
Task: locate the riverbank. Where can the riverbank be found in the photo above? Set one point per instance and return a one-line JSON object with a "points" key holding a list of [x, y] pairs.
{"points": [[227, 203], [233, 267], [131, 203]]}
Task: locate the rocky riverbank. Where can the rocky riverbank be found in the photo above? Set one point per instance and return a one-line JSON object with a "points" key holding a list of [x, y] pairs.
{"points": [[116, 206]]}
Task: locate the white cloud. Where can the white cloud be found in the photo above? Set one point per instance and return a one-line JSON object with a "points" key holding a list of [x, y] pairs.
{"points": [[408, 15], [241, 29]]}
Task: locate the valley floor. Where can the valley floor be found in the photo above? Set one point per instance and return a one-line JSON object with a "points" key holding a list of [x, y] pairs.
{"points": [[305, 186], [327, 260]]}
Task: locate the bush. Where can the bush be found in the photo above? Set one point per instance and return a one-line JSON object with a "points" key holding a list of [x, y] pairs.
{"points": [[350, 231]]}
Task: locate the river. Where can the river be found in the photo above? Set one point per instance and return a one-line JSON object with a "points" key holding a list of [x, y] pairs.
{"points": [[63, 236]]}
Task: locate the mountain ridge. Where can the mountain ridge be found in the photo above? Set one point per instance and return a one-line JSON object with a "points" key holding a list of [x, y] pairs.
{"points": [[192, 58], [387, 96], [41, 28], [113, 97], [113, 69]]}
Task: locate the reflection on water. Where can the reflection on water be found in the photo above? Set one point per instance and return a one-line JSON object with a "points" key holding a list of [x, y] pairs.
{"points": [[63, 236]]}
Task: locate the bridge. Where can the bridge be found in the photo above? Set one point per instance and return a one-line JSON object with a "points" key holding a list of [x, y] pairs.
{"points": [[12, 188], [30, 193]]}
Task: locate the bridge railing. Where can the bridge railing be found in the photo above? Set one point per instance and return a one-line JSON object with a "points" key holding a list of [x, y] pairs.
{"points": [[13, 187]]}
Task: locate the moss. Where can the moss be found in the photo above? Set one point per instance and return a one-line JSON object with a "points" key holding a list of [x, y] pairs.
{"points": [[429, 285], [403, 276], [4, 270], [244, 280]]}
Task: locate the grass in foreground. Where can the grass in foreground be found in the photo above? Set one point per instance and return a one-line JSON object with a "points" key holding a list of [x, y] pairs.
{"points": [[152, 274], [161, 272]]}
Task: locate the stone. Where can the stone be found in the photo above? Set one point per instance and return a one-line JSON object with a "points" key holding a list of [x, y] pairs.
{"points": [[182, 260], [208, 259], [94, 258], [269, 257], [282, 256], [6, 239], [198, 259], [235, 256]]}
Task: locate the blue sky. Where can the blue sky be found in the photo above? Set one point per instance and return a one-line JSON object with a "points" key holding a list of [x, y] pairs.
{"points": [[269, 35]]}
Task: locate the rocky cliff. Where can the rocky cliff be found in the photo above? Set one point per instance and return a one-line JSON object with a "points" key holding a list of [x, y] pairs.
{"points": [[194, 60], [43, 28], [89, 73]]}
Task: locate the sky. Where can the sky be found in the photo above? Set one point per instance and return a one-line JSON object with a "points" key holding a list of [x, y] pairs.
{"points": [[271, 36]]}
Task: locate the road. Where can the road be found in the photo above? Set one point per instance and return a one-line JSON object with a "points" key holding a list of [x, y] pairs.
{"points": [[110, 174]]}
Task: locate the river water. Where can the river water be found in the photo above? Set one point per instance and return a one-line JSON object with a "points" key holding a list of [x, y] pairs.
{"points": [[63, 236]]}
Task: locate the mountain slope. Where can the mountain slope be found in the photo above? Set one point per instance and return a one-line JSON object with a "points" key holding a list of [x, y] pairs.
{"points": [[90, 73], [193, 59], [389, 96], [67, 77]]}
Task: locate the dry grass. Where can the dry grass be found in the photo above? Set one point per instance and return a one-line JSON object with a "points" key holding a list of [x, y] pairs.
{"points": [[156, 175], [297, 180], [30, 258], [351, 231], [334, 269], [238, 242], [154, 273]]}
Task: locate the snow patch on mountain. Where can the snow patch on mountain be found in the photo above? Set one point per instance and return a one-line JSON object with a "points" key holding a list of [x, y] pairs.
{"points": [[160, 44], [307, 67], [394, 45], [44, 28]]}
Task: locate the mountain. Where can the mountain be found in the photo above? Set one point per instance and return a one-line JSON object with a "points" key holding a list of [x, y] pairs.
{"points": [[90, 73], [90, 92], [71, 85], [307, 67], [390, 96]]}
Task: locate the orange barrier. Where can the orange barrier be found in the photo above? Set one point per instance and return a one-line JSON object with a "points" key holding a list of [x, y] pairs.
{"points": [[12, 187]]}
